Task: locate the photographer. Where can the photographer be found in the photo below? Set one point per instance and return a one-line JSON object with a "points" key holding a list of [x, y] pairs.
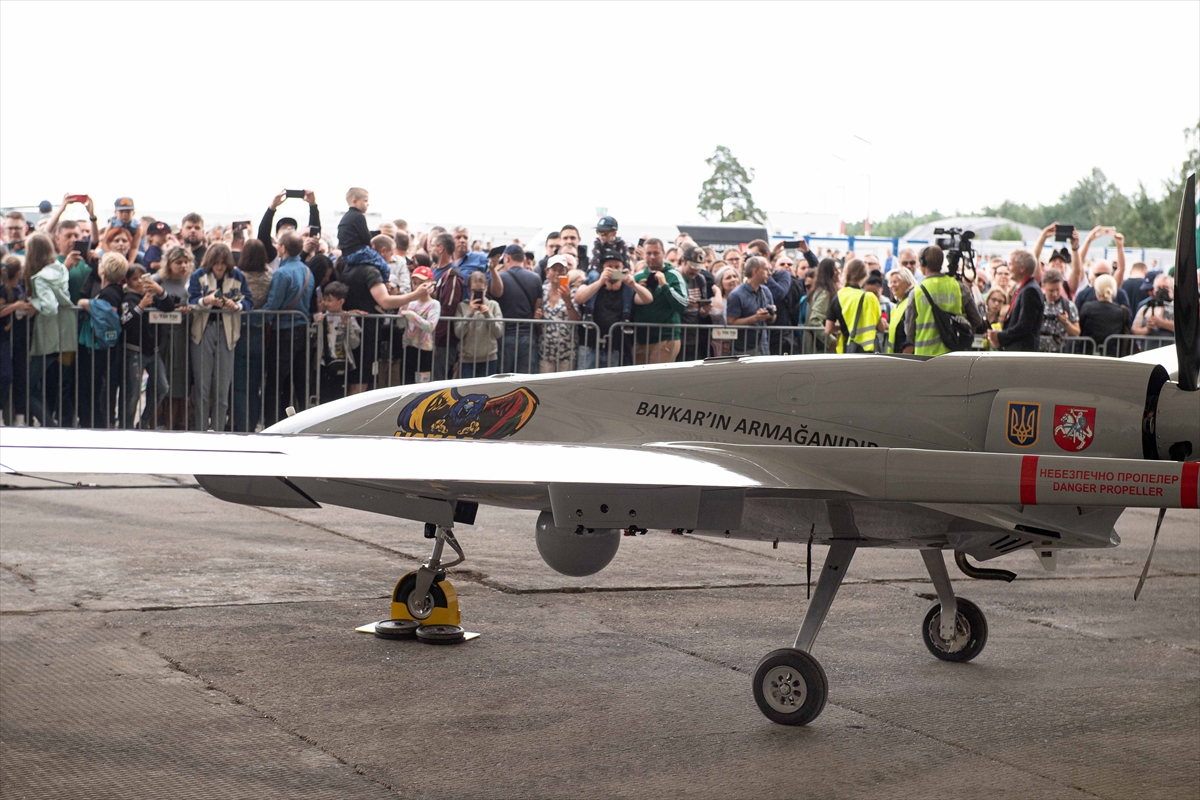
{"points": [[1023, 321], [1060, 317], [752, 304], [285, 223], [949, 294], [290, 296], [1156, 317], [1076, 262], [659, 343], [609, 301]]}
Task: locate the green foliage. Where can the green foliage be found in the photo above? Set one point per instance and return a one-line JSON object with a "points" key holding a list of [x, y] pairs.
{"points": [[894, 226], [727, 193], [1006, 234], [1094, 200]]}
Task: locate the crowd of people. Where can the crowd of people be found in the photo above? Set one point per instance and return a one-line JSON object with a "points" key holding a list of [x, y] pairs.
{"points": [[136, 323]]}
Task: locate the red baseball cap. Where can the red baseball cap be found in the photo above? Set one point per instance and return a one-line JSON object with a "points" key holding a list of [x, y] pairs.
{"points": [[424, 273]]}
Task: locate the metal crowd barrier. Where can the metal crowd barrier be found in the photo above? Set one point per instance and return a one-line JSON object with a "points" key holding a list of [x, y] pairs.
{"points": [[1125, 344], [174, 383], [655, 343], [280, 360], [381, 350]]}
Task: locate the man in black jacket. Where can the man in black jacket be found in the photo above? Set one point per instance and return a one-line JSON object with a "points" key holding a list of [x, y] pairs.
{"points": [[286, 223], [1024, 319]]}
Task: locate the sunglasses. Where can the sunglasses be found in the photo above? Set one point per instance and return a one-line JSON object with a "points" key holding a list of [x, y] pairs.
{"points": [[908, 263]]}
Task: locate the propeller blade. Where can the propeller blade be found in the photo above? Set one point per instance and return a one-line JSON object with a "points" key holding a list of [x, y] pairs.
{"points": [[1162, 512], [1187, 297]]}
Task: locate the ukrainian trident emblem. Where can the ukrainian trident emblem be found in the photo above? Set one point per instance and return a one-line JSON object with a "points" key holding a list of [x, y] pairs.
{"points": [[1023, 421]]}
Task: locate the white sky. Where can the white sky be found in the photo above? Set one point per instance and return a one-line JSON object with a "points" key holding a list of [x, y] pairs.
{"points": [[535, 114]]}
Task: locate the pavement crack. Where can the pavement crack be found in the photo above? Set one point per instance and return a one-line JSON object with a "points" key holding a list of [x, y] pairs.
{"points": [[963, 748], [17, 573], [845, 707], [178, 666], [155, 608]]}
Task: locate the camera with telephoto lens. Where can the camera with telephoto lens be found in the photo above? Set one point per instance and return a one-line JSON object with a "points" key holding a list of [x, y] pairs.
{"points": [[955, 243]]}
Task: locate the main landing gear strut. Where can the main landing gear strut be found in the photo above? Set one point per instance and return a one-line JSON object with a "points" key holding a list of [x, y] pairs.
{"points": [[790, 686]]}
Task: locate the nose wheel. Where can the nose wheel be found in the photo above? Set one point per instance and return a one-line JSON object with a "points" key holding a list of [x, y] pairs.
{"points": [[790, 687], [969, 637]]}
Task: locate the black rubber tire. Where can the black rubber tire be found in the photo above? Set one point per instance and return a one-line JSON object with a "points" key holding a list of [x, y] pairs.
{"points": [[405, 587], [969, 616], [440, 634], [805, 672], [397, 628]]}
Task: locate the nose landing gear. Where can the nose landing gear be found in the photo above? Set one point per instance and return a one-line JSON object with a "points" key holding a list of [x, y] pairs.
{"points": [[424, 602]]}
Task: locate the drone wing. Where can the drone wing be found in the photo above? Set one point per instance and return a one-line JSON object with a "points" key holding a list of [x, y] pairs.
{"points": [[670, 485]]}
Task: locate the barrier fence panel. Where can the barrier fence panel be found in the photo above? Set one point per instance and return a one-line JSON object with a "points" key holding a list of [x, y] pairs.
{"points": [[657, 343], [357, 353], [232, 370], [1125, 344], [1079, 345], [180, 373]]}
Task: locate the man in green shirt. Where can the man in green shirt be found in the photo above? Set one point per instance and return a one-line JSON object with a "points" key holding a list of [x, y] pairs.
{"points": [[659, 345], [68, 233]]}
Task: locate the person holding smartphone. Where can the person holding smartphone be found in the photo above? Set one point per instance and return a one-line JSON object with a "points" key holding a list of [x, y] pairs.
{"points": [[479, 327], [556, 349]]}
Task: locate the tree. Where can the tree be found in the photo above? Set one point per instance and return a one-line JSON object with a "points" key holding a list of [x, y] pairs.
{"points": [[727, 192], [895, 226], [1007, 233]]}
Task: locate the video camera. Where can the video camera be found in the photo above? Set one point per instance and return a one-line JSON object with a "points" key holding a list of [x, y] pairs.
{"points": [[956, 243]]}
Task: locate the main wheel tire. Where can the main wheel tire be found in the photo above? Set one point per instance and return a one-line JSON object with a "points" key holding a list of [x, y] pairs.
{"points": [[790, 687], [970, 636], [397, 628]]}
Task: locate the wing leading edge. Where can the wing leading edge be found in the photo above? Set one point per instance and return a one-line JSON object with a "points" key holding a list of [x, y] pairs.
{"points": [[681, 479]]}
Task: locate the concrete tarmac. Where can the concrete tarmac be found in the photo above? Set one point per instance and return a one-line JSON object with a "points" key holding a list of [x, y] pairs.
{"points": [[157, 642]]}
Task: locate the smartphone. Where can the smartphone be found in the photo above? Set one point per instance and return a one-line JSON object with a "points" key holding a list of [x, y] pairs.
{"points": [[564, 283], [583, 254], [238, 227], [294, 192], [641, 242], [496, 252], [476, 295], [77, 198], [792, 245], [82, 246], [314, 230], [1063, 233]]}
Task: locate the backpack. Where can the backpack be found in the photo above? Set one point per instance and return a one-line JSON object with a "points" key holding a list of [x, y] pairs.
{"points": [[102, 328], [954, 330]]}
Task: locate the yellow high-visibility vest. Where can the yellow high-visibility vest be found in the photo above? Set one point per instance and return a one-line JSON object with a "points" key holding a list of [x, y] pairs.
{"points": [[897, 318], [849, 298], [944, 291]]}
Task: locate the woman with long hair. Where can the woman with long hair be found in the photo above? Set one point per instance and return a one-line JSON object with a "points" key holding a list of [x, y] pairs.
{"points": [[174, 270], [14, 330], [54, 334], [726, 278], [217, 293], [825, 288], [248, 356]]}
